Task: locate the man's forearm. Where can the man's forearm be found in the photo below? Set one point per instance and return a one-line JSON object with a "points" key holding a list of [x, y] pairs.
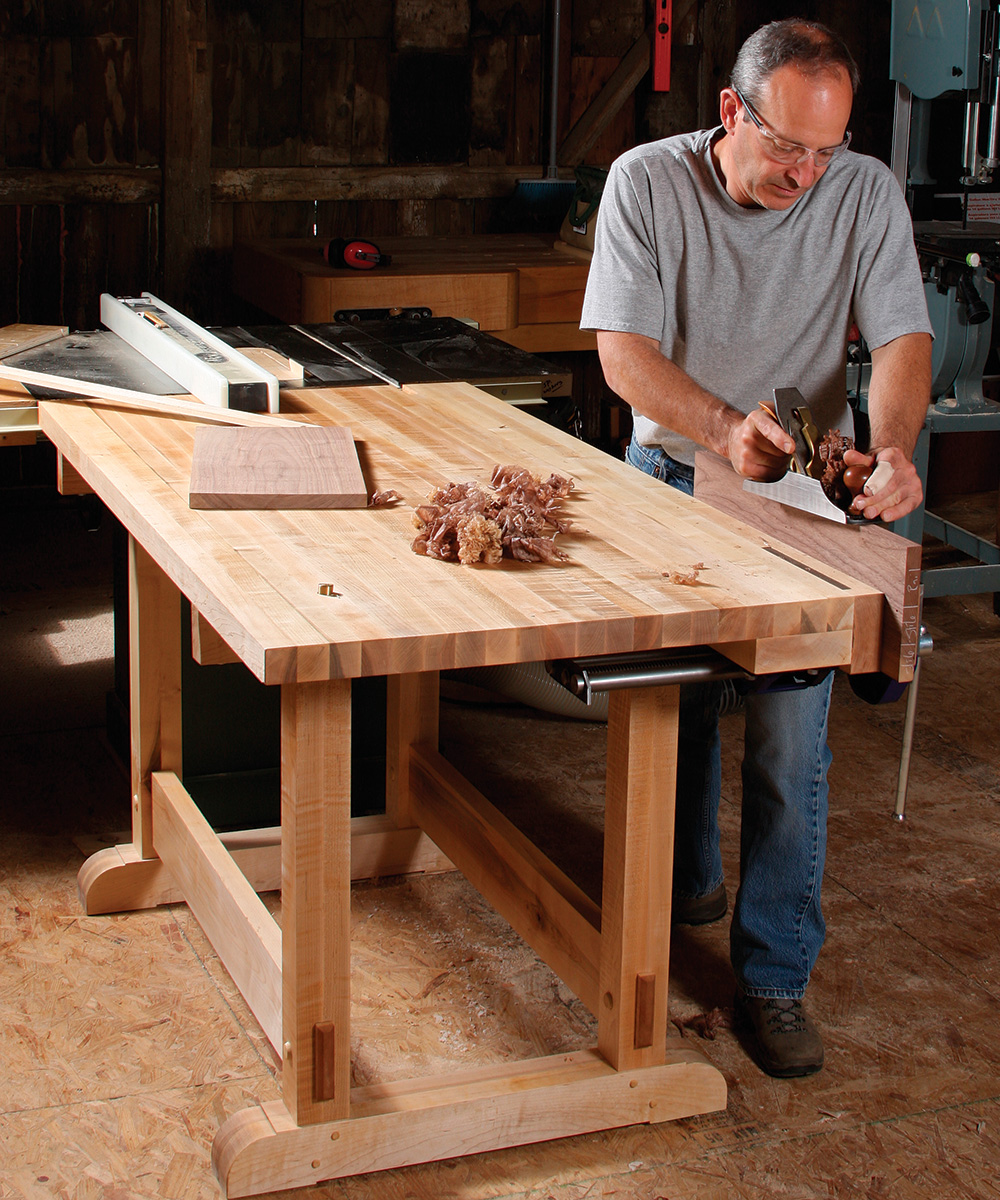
{"points": [[899, 392], [898, 395], [638, 372]]}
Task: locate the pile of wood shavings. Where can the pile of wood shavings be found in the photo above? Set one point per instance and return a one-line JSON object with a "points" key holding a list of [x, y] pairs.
{"points": [[511, 517]]}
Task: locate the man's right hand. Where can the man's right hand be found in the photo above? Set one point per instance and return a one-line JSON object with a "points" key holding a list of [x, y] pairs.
{"points": [[636, 369], [759, 448]]}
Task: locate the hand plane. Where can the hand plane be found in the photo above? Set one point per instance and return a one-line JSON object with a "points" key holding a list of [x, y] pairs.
{"points": [[800, 487], [793, 415]]}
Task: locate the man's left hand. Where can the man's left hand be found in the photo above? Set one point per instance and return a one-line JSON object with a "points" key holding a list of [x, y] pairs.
{"points": [[900, 494]]}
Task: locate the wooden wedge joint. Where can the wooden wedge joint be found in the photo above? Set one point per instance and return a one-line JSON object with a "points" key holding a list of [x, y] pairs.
{"points": [[645, 1003], [324, 1062]]}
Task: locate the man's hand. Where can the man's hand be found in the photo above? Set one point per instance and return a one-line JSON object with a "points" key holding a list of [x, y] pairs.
{"points": [[901, 493], [759, 448], [637, 370]]}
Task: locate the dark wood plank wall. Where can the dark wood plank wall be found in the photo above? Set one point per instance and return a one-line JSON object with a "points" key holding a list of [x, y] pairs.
{"points": [[140, 138], [79, 91]]}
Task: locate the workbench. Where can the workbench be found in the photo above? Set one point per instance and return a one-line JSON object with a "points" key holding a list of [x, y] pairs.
{"points": [[526, 289], [310, 600]]}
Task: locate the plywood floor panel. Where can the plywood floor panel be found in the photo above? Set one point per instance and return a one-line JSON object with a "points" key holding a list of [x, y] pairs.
{"points": [[126, 1045]]}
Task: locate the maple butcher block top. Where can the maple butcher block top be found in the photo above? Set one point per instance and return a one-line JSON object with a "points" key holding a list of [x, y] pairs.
{"points": [[256, 575]]}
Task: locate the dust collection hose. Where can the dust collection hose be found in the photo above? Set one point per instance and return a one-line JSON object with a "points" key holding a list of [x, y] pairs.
{"points": [[976, 309]]}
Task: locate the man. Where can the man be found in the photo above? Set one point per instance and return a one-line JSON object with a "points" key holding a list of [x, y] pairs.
{"points": [[727, 263]]}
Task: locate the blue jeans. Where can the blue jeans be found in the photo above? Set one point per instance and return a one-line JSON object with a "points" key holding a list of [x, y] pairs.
{"points": [[777, 928]]}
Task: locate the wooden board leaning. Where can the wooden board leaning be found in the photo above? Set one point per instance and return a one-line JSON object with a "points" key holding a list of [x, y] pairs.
{"points": [[870, 552]]}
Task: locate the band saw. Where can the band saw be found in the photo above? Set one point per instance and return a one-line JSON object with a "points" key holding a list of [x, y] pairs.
{"points": [[945, 63]]}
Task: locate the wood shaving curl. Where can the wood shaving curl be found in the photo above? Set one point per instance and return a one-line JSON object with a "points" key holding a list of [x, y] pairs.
{"points": [[379, 499], [705, 1024], [688, 578], [511, 517]]}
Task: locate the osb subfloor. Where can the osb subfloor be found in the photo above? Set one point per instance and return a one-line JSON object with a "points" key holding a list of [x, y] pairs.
{"points": [[123, 1045]]}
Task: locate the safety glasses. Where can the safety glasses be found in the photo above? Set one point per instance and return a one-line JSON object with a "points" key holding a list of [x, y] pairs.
{"points": [[791, 152]]}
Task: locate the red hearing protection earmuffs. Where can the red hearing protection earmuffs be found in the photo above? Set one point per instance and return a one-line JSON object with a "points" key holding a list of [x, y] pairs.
{"points": [[352, 252]]}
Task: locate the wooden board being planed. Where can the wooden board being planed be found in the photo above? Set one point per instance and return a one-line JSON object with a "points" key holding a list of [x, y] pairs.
{"points": [[871, 552], [307, 466]]}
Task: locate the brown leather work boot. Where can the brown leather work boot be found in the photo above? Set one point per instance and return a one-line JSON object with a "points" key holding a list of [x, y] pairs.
{"points": [[786, 1043], [699, 910]]}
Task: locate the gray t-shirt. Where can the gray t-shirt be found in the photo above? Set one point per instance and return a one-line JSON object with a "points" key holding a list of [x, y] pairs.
{"points": [[747, 299]]}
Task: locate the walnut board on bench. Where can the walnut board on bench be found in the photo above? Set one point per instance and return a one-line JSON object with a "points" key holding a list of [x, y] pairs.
{"points": [[305, 466]]}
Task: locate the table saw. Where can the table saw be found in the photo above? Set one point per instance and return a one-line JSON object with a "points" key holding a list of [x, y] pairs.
{"points": [[407, 346]]}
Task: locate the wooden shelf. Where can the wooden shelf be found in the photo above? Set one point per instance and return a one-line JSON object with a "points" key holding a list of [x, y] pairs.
{"points": [[525, 289]]}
